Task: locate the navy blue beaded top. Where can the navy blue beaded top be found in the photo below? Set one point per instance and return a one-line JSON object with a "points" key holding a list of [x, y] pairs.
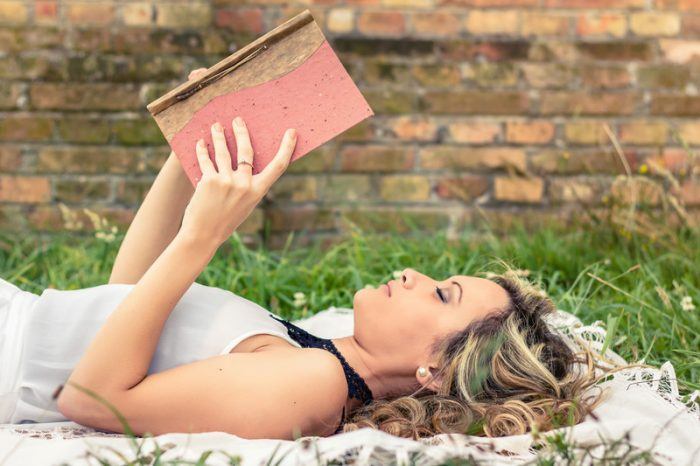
{"points": [[357, 388]]}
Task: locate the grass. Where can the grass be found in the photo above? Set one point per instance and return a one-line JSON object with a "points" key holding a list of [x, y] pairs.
{"points": [[642, 288]]}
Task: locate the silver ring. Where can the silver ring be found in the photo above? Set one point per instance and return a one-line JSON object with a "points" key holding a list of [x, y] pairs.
{"points": [[245, 162]]}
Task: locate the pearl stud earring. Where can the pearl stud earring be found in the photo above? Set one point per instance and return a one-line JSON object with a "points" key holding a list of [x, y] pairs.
{"points": [[422, 372]]}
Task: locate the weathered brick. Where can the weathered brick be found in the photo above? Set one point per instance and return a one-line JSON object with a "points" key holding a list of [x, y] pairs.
{"points": [[94, 13], [689, 192], [666, 76], [299, 218], [25, 128], [485, 22], [381, 23], [513, 189], [241, 19], [134, 132], [577, 189], [548, 75], [603, 24], [386, 72], [529, 132], [390, 101], [576, 161], [586, 103], [318, 160], [585, 132], [465, 188], [439, 157], [345, 188], [132, 191], [690, 25], [595, 3], [682, 5], [10, 96], [503, 74], [436, 23], [97, 159], [394, 220], [654, 23], [605, 77], [13, 12], [413, 128], [678, 104], [553, 50], [84, 130], [680, 51], [183, 15], [461, 50], [409, 4], [636, 190], [363, 131], [340, 20], [473, 132], [294, 188], [46, 12], [376, 158], [138, 14], [442, 75], [470, 102], [616, 50], [544, 23], [404, 188], [84, 96], [644, 132], [24, 189], [690, 132], [676, 160], [10, 159], [81, 189]]}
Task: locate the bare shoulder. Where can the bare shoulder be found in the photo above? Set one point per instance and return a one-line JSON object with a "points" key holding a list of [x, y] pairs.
{"points": [[273, 393]]}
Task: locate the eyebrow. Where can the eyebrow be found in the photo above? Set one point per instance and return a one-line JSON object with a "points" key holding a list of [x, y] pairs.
{"points": [[460, 291]]}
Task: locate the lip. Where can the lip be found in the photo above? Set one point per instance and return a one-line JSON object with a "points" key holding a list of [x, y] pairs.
{"points": [[388, 287]]}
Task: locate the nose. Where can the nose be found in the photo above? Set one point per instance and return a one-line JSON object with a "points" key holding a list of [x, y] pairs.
{"points": [[408, 278]]}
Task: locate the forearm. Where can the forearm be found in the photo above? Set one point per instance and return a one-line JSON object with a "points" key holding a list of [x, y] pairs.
{"points": [[155, 225], [120, 354]]}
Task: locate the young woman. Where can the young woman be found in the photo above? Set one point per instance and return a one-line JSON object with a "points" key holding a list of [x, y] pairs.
{"points": [[170, 355]]}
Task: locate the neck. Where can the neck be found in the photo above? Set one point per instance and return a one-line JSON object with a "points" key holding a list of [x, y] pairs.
{"points": [[383, 381]]}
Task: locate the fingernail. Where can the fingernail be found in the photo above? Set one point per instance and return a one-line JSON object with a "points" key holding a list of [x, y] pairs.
{"points": [[238, 121], [200, 143], [293, 133], [217, 127]]}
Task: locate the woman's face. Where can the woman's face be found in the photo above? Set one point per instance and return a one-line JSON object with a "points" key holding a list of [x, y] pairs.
{"points": [[402, 318]]}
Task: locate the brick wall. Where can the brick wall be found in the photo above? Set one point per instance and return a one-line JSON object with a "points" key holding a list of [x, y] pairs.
{"points": [[482, 106]]}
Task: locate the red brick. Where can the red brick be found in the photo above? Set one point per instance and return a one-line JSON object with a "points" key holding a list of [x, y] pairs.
{"points": [[241, 19], [25, 189], [435, 23], [577, 161], [682, 5], [690, 192], [545, 23], [474, 132], [381, 23], [678, 104], [603, 4], [10, 159], [605, 77], [676, 160], [93, 13], [487, 22], [644, 132], [601, 24], [465, 188], [489, 3], [13, 12], [487, 158], [512, 189], [529, 132], [680, 51], [46, 11], [690, 25], [410, 128]]}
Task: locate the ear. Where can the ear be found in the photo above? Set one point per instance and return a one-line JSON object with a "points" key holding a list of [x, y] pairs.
{"points": [[431, 380]]}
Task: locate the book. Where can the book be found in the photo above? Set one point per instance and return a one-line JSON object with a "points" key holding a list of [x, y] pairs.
{"points": [[289, 77]]}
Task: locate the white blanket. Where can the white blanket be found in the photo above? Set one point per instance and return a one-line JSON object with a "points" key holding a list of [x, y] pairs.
{"points": [[642, 409]]}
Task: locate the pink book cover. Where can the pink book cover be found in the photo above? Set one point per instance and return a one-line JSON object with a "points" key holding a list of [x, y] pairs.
{"points": [[288, 78]]}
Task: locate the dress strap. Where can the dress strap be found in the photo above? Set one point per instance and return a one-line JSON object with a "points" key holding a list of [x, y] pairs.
{"points": [[357, 387]]}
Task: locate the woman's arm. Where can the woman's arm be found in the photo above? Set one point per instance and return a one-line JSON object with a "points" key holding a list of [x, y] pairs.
{"points": [[119, 355], [155, 225]]}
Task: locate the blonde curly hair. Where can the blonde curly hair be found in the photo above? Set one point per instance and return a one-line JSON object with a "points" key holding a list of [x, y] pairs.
{"points": [[506, 374]]}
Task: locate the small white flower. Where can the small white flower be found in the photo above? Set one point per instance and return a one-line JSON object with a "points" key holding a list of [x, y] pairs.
{"points": [[397, 274], [299, 299], [368, 287], [687, 303]]}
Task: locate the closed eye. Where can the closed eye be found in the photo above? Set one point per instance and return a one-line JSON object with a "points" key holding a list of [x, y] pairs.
{"points": [[440, 294]]}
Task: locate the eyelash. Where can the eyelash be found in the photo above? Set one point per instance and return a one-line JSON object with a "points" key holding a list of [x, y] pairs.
{"points": [[439, 292]]}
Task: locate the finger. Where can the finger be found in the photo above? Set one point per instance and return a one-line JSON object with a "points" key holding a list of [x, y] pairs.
{"points": [[194, 74], [280, 162], [243, 145], [205, 164], [221, 153]]}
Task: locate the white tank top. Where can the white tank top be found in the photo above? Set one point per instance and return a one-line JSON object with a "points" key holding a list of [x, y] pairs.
{"points": [[206, 322]]}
